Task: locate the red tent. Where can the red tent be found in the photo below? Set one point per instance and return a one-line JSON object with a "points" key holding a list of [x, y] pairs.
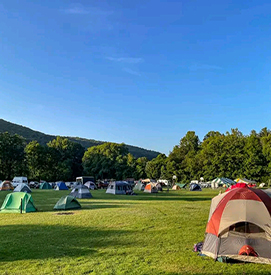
{"points": [[238, 185]]}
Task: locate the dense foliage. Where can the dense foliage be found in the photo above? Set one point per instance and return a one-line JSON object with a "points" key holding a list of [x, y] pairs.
{"points": [[229, 155]]}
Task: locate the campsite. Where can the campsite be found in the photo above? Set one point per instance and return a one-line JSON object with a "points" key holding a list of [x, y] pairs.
{"points": [[150, 233]]}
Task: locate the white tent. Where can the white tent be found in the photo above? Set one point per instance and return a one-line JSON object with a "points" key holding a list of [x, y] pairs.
{"points": [[119, 188], [22, 187]]}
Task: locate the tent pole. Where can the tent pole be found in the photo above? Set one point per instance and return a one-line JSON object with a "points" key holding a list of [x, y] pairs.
{"points": [[21, 210]]}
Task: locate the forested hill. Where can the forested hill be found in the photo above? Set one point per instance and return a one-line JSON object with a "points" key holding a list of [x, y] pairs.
{"points": [[42, 138]]}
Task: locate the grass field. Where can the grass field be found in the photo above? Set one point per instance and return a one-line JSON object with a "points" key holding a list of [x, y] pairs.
{"points": [[143, 234]]}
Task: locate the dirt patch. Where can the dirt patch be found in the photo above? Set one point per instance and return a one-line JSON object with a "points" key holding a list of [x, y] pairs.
{"points": [[64, 213]]}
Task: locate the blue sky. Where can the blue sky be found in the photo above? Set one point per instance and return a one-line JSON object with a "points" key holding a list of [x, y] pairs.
{"points": [[139, 72]]}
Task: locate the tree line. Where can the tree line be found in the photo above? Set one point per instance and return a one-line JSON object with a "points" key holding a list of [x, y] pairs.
{"points": [[229, 155]]}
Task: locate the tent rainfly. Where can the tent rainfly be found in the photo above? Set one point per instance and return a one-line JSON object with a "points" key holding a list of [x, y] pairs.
{"points": [[140, 186], [81, 192], [67, 203], [18, 202], [61, 186], [90, 185], [221, 182], [22, 187], [45, 185], [6, 186], [151, 188], [195, 187], [236, 230]]}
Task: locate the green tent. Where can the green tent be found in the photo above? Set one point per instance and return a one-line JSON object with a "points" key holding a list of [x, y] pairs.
{"points": [[181, 185], [45, 185], [67, 202], [18, 202]]}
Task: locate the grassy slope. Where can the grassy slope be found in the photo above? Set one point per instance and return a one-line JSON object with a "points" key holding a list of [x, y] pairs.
{"points": [[144, 234]]}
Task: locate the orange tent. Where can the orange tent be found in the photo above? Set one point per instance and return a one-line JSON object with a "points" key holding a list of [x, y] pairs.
{"points": [[6, 186]]}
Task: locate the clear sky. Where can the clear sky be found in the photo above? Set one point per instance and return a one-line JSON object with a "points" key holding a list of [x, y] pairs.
{"points": [[139, 72]]}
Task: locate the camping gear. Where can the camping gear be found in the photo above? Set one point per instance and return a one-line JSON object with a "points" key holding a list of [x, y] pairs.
{"points": [[151, 188], [195, 187], [21, 187], [61, 186], [251, 183], [90, 185], [119, 188], [198, 247], [18, 202], [238, 218], [66, 203], [238, 185], [45, 185], [140, 186], [6, 186], [176, 187], [81, 192], [221, 182]]}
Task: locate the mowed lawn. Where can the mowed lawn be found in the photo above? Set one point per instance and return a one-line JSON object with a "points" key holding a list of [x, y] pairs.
{"points": [[143, 234]]}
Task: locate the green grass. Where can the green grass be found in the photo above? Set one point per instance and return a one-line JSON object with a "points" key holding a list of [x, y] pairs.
{"points": [[143, 234]]}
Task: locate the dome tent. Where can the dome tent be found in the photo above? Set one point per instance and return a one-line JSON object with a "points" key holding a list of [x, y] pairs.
{"points": [[81, 192], [45, 185], [151, 188], [67, 203], [18, 202], [22, 187], [234, 225], [61, 186]]}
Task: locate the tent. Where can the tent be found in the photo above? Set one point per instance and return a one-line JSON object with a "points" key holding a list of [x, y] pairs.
{"points": [[45, 185], [22, 187], [181, 185], [195, 187], [245, 181], [221, 182], [119, 188], [140, 186], [6, 186], [250, 183], [159, 186], [236, 230], [151, 188], [81, 192], [61, 186], [90, 185], [66, 203], [18, 202], [176, 187], [237, 185]]}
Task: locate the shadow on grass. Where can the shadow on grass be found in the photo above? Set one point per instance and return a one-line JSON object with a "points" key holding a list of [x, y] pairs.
{"points": [[99, 205], [157, 197], [56, 241]]}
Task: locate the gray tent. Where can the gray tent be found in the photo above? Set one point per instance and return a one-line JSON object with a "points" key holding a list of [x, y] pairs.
{"points": [[119, 188], [81, 192], [140, 186], [22, 187]]}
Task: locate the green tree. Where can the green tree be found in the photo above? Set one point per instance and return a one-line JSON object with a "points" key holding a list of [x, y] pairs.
{"points": [[254, 160], [12, 156], [105, 161]]}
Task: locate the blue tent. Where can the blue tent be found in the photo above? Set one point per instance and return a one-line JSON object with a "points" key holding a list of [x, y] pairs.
{"points": [[61, 186], [195, 187]]}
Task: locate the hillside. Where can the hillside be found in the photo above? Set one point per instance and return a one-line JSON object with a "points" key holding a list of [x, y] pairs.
{"points": [[29, 135]]}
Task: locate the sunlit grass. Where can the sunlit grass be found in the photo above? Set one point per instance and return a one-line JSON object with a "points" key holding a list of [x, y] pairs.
{"points": [[143, 234]]}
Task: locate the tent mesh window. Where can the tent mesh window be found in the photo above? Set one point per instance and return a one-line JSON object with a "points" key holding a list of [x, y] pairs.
{"points": [[246, 227]]}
